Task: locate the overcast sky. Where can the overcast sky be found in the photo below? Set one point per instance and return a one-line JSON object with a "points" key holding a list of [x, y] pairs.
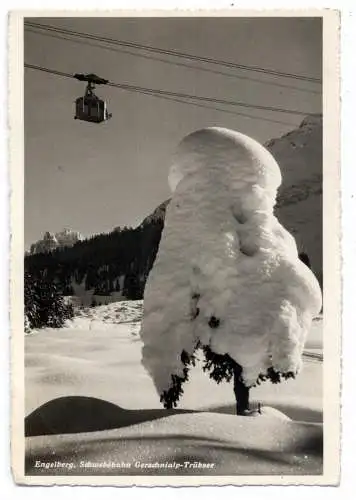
{"points": [[92, 178]]}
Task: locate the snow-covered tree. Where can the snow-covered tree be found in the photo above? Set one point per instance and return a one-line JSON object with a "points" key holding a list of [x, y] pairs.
{"points": [[227, 278], [44, 305]]}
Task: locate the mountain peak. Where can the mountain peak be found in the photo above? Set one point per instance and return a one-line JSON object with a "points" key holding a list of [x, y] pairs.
{"points": [[314, 120], [50, 241], [157, 215]]}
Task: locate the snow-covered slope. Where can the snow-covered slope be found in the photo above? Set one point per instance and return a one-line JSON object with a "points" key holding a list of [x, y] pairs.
{"points": [[98, 354], [89, 399], [299, 155]]}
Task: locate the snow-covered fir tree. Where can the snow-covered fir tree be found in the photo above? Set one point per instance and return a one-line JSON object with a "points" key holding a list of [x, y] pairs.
{"points": [[44, 304], [227, 278]]}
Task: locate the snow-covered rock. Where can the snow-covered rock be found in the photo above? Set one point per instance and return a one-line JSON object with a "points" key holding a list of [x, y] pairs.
{"points": [[68, 238], [227, 273], [47, 244], [50, 241]]}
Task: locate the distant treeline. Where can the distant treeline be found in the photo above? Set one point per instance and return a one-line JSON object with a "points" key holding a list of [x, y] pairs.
{"points": [[114, 262], [105, 262]]}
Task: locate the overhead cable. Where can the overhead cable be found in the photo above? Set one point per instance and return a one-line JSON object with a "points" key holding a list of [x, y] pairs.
{"points": [[180, 95], [174, 53]]}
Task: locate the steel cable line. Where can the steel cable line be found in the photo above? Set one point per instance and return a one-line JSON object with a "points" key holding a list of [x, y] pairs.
{"points": [[174, 63], [125, 86], [128, 87], [245, 115], [236, 113], [173, 53]]}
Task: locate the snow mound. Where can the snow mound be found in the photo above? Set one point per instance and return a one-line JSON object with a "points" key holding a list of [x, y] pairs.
{"points": [[195, 443], [227, 273]]}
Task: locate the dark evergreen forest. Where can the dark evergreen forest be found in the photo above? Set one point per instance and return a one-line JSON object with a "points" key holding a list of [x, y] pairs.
{"points": [[104, 258], [101, 260]]}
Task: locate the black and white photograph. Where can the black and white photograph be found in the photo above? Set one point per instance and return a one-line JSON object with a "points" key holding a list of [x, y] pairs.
{"points": [[172, 275]]}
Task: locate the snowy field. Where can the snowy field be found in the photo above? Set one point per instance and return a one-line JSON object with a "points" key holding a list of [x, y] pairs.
{"points": [[92, 409]]}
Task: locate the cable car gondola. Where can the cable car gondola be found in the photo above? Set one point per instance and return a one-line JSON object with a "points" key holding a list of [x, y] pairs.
{"points": [[90, 108]]}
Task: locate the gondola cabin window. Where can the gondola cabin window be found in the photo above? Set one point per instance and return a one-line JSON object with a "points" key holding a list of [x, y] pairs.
{"points": [[89, 109]]}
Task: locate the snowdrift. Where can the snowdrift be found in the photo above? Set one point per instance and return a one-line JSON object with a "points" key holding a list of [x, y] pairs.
{"points": [[89, 399], [196, 444]]}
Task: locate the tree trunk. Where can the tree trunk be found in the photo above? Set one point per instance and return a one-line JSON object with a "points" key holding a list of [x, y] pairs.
{"points": [[241, 391]]}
